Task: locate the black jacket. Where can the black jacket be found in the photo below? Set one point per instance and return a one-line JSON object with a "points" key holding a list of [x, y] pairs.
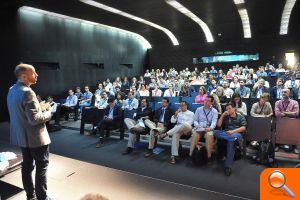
{"points": [[167, 119], [117, 115], [139, 113]]}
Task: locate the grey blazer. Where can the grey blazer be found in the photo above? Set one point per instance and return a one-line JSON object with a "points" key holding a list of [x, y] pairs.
{"points": [[27, 121]]}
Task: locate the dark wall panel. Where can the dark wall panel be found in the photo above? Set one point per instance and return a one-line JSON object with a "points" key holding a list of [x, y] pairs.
{"points": [[48, 41], [270, 50], [71, 44]]}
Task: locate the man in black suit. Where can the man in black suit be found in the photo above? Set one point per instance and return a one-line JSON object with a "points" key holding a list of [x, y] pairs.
{"points": [[111, 119], [160, 124], [276, 91], [136, 124]]}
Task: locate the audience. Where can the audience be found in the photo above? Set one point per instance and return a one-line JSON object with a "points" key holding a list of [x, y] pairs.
{"points": [[219, 87]]}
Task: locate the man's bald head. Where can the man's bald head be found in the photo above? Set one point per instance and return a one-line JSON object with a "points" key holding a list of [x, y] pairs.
{"points": [[26, 73], [21, 69]]}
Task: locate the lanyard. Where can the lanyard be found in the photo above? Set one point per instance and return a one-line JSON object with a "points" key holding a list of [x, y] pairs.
{"points": [[206, 114], [285, 107], [261, 108]]}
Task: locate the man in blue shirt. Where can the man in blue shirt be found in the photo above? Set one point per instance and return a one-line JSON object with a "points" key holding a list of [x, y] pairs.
{"points": [[78, 93], [86, 98], [69, 105], [130, 102], [243, 91], [205, 121]]}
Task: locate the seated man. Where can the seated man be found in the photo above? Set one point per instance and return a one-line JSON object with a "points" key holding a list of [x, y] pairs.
{"points": [[101, 101], [234, 125], [78, 93], [243, 91], [159, 125], [276, 91], [112, 118], [184, 120], [86, 98], [287, 107], [136, 125], [55, 110], [70, 104], [130, 102], [205, 121], [259, 88]]}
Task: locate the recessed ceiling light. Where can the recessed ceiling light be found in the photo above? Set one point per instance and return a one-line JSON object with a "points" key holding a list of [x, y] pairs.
{"points": [[286, 14], [175, 4], [244, 17], [130, 16], [141, 39]]}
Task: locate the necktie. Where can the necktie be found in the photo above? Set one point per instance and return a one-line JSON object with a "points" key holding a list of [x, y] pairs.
{"points": [[162, 115]]}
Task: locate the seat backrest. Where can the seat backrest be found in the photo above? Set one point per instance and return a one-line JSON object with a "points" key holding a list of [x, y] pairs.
{"points": [[288, 131], [258, 128]]}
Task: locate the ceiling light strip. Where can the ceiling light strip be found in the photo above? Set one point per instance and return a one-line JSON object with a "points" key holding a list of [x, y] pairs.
{"points": [[244, 17], [286, 14], [175, 4], [140, 38], [130, 16]]}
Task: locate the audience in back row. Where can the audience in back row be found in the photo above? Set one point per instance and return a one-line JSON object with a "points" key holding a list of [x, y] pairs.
{"points": [[216, 91]]}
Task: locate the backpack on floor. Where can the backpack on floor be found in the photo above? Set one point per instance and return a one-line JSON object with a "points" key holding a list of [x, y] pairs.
{"points": [[265, 154], [199, 155]]}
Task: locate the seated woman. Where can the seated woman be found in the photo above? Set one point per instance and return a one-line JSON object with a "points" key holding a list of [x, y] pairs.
{"points": [[220, 93], [156, 92], [240, 106], [119, 100], [262, 108], [216, 104], [143, 91], [184, 92], [202, 95]]}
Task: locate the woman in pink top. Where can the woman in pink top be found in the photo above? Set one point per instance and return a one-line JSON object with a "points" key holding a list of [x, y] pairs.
{"points": [[202, 95]]}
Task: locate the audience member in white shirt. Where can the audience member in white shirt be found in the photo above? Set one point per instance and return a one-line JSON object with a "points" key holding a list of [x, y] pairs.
{"points": [[184, 120]]}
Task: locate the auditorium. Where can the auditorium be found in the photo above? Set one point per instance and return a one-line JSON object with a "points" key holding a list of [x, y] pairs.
{"points": [[149, 100]]}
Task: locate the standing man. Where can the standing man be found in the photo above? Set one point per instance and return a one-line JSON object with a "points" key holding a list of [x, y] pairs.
{"points": [[28, 131]]}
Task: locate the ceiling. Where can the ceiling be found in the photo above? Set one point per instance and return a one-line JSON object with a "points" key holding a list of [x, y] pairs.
{"points": [[221, 16]]}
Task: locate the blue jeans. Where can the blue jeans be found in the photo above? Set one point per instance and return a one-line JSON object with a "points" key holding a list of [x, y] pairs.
{"points": [[230, 144], [85, 104]]}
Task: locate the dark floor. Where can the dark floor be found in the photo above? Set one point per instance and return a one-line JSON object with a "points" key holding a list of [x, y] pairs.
{"points": [[244, 182]]}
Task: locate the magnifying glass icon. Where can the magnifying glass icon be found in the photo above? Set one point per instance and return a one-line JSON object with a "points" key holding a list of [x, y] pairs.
{"points": [[277, 180]]}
